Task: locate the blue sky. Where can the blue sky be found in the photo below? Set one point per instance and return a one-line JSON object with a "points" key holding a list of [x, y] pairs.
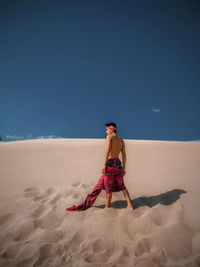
{"points": [[68, 67]]}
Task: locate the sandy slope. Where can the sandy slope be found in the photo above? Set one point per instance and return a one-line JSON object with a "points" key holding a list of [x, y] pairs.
{"points": [[39, 179]]}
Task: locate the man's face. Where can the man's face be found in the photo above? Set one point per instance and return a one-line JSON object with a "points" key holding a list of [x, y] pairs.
{"points": [[109, 130]]}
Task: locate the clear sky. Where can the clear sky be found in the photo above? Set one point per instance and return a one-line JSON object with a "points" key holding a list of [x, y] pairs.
{"points": [[68, 67]]}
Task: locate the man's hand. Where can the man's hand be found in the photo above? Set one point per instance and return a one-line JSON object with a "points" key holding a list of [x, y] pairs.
{"points": [[124, 171]]}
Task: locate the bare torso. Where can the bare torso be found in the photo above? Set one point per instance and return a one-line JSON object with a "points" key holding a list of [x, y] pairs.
{"points": [[116, 146]]}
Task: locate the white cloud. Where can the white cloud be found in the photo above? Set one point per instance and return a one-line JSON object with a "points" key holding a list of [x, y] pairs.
{"points": [[30, 136], [47, 136], [155, 109], [198, 140], [8, 136]]}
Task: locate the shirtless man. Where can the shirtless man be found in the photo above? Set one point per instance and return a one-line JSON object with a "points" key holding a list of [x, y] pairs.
{"points": [[115, 145]]}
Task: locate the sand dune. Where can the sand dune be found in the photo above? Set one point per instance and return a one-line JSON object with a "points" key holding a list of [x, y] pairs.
{"points": [[39, 179]]}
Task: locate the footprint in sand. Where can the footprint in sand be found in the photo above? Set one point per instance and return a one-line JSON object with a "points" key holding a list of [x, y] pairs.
{"points": [[75, 184], [112, 248], [42, 236], [45, 195], [124, 255], [10, 251], [76, 240], [158, 254], [85, 246], [25, 262], [50, 191], [31, 192], [26, 255], [40, 197], [96, 258], [98, 245], [52, 220], [30, 189], [7, 218], [60, 251], [110, 251], [74, 194], [23, 230], [39, 211], [44, 254], [37, 223], [55, 199], [142, 246]]}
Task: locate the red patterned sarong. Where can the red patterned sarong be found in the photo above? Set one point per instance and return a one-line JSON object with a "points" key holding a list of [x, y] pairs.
{"points": [[110, 181]]}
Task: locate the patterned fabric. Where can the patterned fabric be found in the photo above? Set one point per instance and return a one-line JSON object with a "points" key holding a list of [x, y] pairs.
{"points": [[114, 162], [110, 181]]}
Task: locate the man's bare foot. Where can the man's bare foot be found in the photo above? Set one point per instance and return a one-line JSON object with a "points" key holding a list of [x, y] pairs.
{"points": [[130, 208], [106, 207]]}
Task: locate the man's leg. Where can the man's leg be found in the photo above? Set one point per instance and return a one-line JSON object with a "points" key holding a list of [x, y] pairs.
{"points": [[128, 199], [108, 200]]}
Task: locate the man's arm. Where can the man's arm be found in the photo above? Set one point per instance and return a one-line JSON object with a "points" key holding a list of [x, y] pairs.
{"points": [[108, 149], [123, 156]]}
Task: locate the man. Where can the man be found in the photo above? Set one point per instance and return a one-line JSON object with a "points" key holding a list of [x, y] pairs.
{"points": [[115, 145], [112, 172]]}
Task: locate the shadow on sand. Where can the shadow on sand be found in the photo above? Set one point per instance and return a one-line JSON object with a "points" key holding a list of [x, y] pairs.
{"points": [[164, 199]]}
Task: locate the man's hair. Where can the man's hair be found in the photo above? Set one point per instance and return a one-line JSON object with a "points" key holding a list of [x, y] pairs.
{"points": [[111, 124]]}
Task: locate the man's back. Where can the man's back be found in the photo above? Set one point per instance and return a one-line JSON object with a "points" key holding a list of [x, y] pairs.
{"points": [[117, 146]]}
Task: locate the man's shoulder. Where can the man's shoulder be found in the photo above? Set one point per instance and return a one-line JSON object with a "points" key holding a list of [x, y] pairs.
{"points": [[121, 138], [109, 137]]}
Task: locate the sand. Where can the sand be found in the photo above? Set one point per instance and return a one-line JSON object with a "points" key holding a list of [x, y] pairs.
{"points": [[40, 178]]}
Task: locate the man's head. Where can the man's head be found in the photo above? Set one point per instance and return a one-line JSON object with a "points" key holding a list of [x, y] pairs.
{"points": [[111, 128]]}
